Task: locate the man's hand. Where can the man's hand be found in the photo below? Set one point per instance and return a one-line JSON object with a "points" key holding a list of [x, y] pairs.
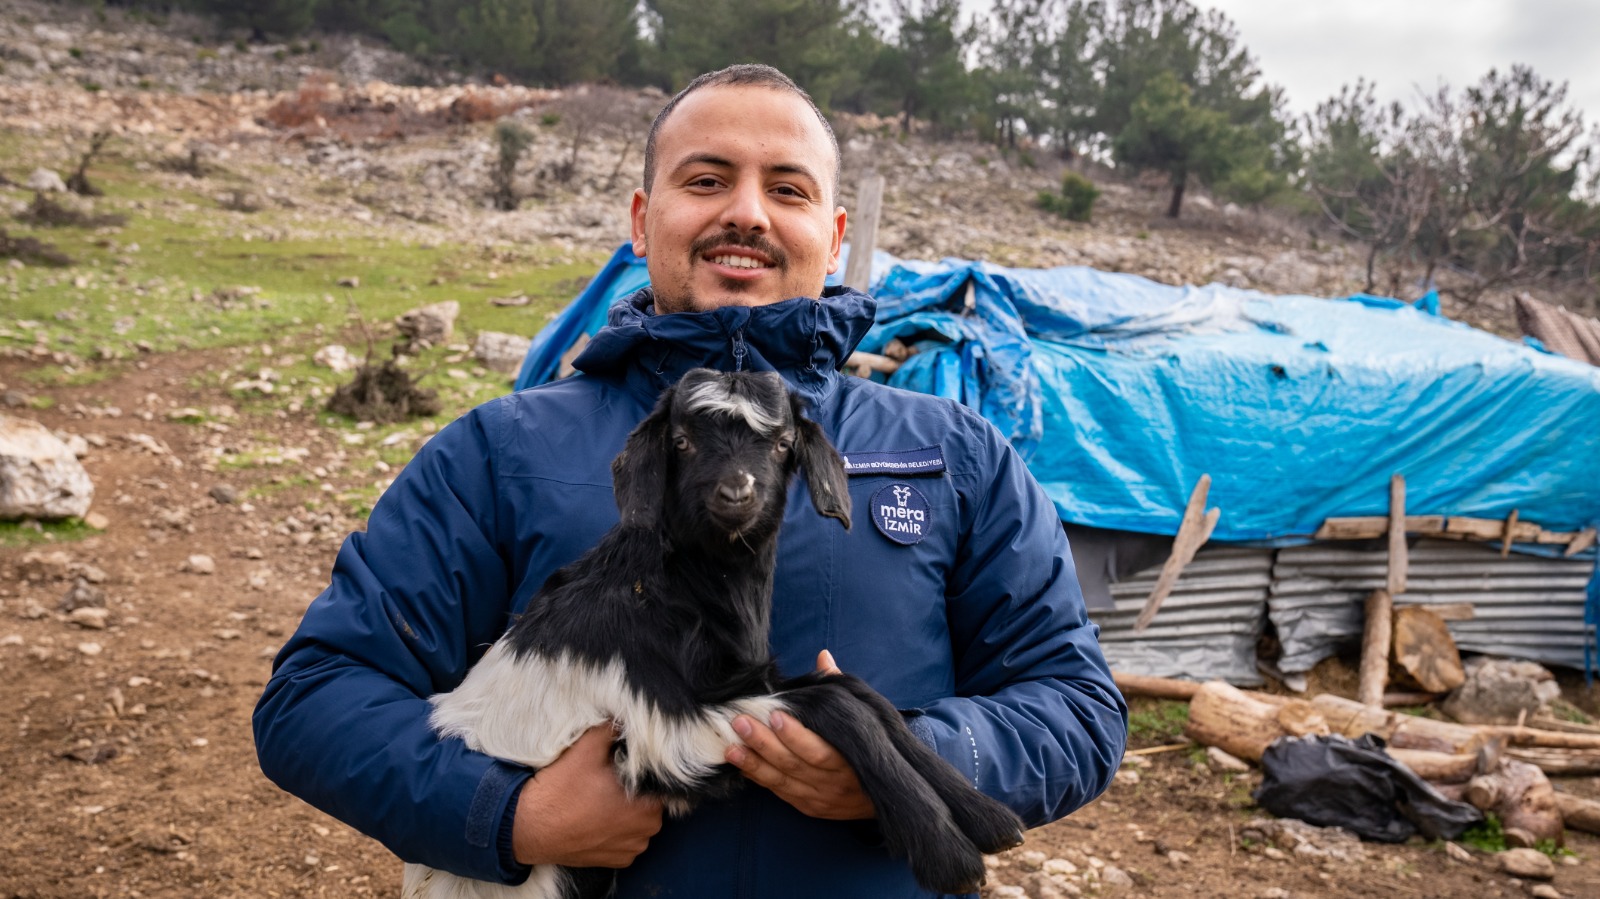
{"points": [[799, 766], [574, 811]]}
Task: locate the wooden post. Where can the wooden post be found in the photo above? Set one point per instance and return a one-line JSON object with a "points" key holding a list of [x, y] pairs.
{"points": [[1193, 532], [864, 231], [1375, 643], [1506, 536], [1580, 542], [1398, 560]]}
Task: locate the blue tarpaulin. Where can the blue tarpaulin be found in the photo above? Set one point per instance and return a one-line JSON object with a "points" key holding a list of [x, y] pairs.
{"points": [[1121, 392]]}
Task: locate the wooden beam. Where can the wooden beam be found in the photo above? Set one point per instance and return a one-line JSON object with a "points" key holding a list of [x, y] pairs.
{"points": [[1376, 640], [1366, 527], [866, 363], [1582, 541], [1451, 527], [864, 231], [1451, 611], [1509, 534], [1398, 560], [1194, 530]]}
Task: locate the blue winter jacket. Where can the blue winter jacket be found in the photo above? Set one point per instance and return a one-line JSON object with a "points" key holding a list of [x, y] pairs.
{"points": [[974, 625]]}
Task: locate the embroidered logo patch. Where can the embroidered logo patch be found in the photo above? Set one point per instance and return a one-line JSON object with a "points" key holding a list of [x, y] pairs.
{"points": [[901, 513], [922, 460]]}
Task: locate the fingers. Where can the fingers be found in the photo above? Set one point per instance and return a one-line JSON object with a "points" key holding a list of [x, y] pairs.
{"points": [[826, 664], [799, 767]]}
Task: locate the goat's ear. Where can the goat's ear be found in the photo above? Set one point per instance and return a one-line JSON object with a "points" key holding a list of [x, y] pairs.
{"points": [[830, 488], [639, 473]]}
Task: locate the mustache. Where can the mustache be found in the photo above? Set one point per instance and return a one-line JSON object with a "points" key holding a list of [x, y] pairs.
{"points": [[757, 242]]}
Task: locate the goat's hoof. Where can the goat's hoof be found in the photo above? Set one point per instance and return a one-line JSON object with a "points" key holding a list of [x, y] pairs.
{"points": [[990, 825]]}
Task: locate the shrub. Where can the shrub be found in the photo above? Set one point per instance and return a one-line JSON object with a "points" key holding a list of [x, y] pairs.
{"points": [[1075, 201]]}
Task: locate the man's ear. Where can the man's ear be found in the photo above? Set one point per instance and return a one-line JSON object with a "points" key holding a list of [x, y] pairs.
{"points": [[636, 215], [839, 219], [639, 473], [830, 488]]}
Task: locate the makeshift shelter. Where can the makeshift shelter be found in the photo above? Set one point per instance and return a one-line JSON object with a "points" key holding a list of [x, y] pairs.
{"points": [[1122, 393]]}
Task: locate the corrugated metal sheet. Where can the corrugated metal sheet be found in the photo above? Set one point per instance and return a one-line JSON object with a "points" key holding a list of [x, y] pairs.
{"points": [[1208, 626], [1526, 607]]}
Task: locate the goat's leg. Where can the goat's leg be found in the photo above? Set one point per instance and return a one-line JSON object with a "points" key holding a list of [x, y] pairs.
{"points": [[915, 822], [988, 823]]}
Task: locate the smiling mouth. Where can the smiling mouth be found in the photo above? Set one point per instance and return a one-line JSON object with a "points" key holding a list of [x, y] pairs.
{"points": [[734, 261]]}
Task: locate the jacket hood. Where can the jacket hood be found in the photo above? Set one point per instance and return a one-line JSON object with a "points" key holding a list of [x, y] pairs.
{"points": [[805, 339]]}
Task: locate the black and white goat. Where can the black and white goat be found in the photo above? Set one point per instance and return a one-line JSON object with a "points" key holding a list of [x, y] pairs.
{"points": [[662, 629]]}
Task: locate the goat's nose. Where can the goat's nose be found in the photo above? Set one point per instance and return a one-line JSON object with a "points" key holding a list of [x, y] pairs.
{"points": [[738, 490]]}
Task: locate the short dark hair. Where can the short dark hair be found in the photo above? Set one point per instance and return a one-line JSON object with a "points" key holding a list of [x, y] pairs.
{"points": [[741, 75]]}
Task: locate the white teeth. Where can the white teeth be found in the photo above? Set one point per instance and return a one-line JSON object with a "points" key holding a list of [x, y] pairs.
{"points": [[732, 261]]}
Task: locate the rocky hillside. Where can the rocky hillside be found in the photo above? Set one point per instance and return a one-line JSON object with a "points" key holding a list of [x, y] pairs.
{"points": [[357, 138]]}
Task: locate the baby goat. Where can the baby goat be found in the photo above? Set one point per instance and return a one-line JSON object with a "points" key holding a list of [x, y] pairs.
{"points": [[662, 629]]}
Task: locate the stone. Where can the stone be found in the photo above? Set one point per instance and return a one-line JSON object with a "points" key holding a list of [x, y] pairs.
{"points": [[224, 494], [201, 563], [1497, 691], [91, 618], [90, 649], [1060, 866], [1178, 859], [1115, 878], [82, 595], [429, 325], [39, 475], [1457, 852], [45, 181], [1544, 891], [1039, 885], [1529, 863], [1010, 890], [1227, 762], [97, 521], [1274, 893], [1033, 859], [500, 351], [334, 356], [1126, 777], [44, 566]]}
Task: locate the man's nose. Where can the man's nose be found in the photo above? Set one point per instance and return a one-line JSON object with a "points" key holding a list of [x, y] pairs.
{"points": [[746, 209]]}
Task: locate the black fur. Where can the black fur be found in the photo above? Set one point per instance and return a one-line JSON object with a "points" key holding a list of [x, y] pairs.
{"points": [[681, 592]]}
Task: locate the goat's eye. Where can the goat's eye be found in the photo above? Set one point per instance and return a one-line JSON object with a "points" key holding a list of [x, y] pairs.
{"points": [[681, 442], [783, 446]]}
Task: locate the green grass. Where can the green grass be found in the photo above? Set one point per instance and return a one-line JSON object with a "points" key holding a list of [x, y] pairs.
{"points": [[1158, 722], [14, 533], [1485, 836], [168, 279]]}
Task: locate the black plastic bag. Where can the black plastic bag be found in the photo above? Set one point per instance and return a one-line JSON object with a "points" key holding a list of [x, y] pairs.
{"points": [[1339, 782]]}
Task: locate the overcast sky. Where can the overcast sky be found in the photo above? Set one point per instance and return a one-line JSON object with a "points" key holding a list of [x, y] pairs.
{"points": [[1310, 49]]}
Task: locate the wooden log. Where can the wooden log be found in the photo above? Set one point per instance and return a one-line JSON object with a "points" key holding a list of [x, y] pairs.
{"points": [[1560, 762], [1509, 534], [1193, 531], [1424, 649], [1351, 718], [1398, 559], [1579, 813], [1375, 643], [1398, 699], [1157, 687], [864, 231], [865, 363], [1544, 739], [1226, 717], [1439, 767], [1521, 795], [1490, 529], [1367, 527]]}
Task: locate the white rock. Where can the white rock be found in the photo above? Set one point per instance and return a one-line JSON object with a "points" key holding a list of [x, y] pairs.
{"points": [[45, 181], [431, 324], [1126, 778], [1060, 866], [1225, 760], [1032, 859], [1274, 893], [1527, 863], [1457, 853], [1009, 890], [334, 356], [1544, 891], [201, 563], [500, 351], [89, 617], [39, 475], [1113, 877], [90, 649]]}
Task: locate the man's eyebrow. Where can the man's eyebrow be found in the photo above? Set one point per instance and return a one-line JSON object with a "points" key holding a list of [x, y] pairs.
{"points": [[715, 161]]}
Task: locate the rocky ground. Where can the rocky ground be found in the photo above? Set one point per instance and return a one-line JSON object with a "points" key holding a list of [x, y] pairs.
{"points": [[133, 651]]}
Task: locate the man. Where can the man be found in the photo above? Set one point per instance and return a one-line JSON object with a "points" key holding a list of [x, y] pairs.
{"points": [[970, 621]]}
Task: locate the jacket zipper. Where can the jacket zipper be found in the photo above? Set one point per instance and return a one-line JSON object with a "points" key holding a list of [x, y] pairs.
{"points": [[738, 350]]}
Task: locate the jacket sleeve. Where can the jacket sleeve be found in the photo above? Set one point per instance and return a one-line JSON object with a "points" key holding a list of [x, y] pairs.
{"points": [[1036, 721], [343, 722]]}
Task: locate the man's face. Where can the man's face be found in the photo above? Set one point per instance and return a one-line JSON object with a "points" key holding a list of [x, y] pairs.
{"points": [[740, 212]]}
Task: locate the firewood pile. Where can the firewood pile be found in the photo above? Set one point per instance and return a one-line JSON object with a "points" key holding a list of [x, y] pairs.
{"points": [[1499, 768]]}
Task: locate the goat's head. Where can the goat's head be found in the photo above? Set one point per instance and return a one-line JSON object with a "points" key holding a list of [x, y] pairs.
{"points": [[712, 463]]}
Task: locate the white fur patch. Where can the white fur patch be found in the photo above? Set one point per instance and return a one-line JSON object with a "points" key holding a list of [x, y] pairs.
{"points": [[713, 397], [528, 710]]}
